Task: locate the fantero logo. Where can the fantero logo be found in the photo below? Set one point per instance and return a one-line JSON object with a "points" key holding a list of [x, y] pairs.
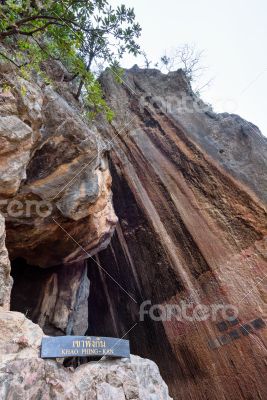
{"points": [[25, 209], [184, 311]]}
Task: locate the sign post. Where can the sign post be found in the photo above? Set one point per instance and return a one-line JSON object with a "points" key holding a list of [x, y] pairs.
{"points": [[84, 346]]}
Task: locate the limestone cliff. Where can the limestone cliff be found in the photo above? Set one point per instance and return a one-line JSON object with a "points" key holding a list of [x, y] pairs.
{"points": [[189, 187], [55, 195]]}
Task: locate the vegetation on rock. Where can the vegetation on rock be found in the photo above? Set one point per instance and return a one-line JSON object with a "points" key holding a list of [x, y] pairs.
{"points": [[76, 33]]}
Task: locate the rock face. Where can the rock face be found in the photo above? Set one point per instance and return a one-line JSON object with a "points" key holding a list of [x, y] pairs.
{"points": [[23, 375], [56, 197], [54, 178], [20, 338], [189, 250], [189, 188], [5, 279]]}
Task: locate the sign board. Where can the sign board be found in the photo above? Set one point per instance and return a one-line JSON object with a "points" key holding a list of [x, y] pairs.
{"points": [[84, 346]]}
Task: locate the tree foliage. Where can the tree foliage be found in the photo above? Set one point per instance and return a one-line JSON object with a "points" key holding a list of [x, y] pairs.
{"points": [[74, 32]]}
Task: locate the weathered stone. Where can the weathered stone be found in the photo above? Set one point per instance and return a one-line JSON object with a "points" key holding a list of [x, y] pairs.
{"points": [[15, 142], [25, 376], [188, 188], [8, 104], [5, 279], [20, 338], [63, 306], [51, 159]]}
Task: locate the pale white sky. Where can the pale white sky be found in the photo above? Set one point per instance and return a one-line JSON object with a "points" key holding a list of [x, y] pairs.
{"points": [[233, 34]]}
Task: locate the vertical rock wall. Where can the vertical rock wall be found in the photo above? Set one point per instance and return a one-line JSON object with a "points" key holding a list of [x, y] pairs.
{"points": [[48, 155], [189, 187]]}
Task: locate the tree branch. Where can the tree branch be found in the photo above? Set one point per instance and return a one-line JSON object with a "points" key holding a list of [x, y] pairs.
{"points": [[13, 62], [48, 17], [14, 29], [71, 78], [41, 28], [82, 81]]}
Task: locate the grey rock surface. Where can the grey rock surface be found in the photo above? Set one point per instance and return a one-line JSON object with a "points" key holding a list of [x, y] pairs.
{"points": [[25, 376], [233, 143], [5, 279], [54, 177]]}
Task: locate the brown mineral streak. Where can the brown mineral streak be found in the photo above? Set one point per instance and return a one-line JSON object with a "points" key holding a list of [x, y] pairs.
{"points": [[190, 225], [189, 191]]}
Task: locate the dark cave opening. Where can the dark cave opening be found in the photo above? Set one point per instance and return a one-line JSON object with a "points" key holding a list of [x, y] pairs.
{"points": [[58, 299], [55, 298], [28, 282], [33, 291]]}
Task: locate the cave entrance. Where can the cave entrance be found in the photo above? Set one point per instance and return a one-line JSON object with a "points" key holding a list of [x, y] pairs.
{"points": [[58, 299], [55, 298], [26, 287]]}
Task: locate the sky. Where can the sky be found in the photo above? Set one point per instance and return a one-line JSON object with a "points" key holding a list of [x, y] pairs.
{"points": [[233, 35]]}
